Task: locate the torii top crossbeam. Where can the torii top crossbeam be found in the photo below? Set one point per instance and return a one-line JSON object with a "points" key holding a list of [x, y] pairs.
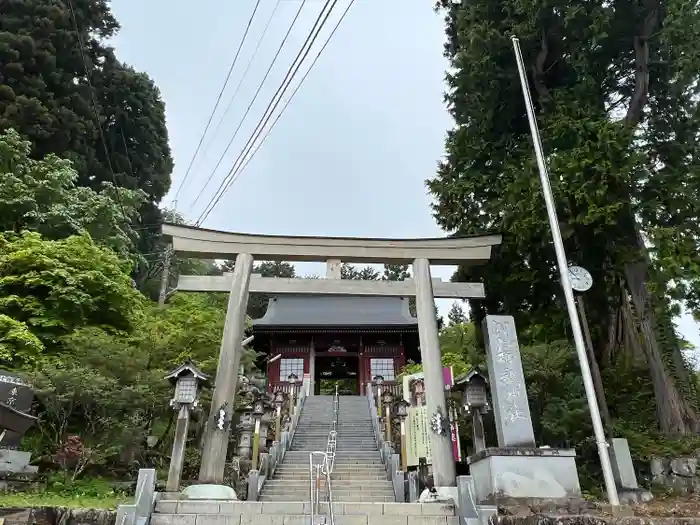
{"points": [[201, 243]]}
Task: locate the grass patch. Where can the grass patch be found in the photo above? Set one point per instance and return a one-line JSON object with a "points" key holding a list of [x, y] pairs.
{"points": [[92, 493], [48, 499]]}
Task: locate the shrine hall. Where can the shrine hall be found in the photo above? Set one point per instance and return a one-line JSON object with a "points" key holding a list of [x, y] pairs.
{"points": [[329, 340]]}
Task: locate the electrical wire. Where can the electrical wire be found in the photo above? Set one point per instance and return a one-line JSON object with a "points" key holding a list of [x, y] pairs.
{"points": [[289, 100], [257, 92], [291, 71], [243, 77], [218, 100], [237, 165], [93, 100]]}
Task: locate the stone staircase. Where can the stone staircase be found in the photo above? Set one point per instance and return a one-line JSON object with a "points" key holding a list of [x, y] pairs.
{"points": [[362, 492], [184, 512], [358, 474]]}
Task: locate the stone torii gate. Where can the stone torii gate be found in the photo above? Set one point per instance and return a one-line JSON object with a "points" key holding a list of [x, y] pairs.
{"points": [[199, 243]]}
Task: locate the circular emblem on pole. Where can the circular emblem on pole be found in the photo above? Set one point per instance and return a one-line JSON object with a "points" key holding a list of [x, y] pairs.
{"points": [[581, 279], [438, 423]]}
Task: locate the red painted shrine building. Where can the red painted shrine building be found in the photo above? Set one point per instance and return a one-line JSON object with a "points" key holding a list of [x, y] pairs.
{"points": [[328, 340]]}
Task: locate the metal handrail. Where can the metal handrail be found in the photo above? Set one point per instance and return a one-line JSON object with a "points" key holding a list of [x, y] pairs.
{"points": [[333, 434], [317, 469]]}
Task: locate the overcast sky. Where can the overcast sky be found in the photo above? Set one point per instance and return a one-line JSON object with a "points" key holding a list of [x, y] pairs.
{"points": [[351, 152]]}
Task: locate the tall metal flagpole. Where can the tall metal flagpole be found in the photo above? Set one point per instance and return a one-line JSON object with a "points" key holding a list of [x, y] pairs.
{"points": [[566, 285]]}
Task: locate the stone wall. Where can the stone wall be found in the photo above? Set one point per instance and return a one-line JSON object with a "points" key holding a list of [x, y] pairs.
{"points": [[679, 474], [589, 520], [57, 516]]}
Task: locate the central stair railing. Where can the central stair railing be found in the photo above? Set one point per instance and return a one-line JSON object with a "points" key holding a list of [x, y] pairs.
{"points": [[333, 434], [319, 475], [320, 470]]}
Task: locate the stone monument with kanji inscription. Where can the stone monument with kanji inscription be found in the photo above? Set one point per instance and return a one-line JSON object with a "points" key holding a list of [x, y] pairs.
{"points": [[516, 469], [16, 398]]}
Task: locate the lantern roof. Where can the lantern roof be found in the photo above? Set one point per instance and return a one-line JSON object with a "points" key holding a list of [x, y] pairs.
{"points": [[462, 381], [187, 368]]}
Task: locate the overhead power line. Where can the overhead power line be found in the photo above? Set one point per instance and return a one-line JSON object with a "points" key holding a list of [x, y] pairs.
{"points": [[242, 167], [291, 71], [304, 51], [218, 100], [243, 77], [255, 96]]}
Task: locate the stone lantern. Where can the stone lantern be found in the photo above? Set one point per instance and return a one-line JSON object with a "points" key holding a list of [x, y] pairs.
{"points": [[387, 400], [278, 401], [292, 379], [258, 413], [186, 378], [378, 381], [402, 413], [474, 388]]}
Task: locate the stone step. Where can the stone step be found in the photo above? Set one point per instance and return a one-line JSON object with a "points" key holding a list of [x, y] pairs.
{"points": [[301, 453], [339, 442], [356, 462], [355, 434], [341, 457], [338, 496], [340, 449], [304, 475], [337, 468], [223, 507], [345, 431], [292, 483], [339, 461]]}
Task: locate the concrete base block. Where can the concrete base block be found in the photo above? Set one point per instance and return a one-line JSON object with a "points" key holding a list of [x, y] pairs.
{"points": [[209, 492], [485, 513], [447, 495], [522, 473], [631, 496], [16, 461]]}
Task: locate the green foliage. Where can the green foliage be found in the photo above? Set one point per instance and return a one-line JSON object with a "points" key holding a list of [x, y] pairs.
{"points": [[42, 196], [57, 286], [458, 349], [17, 342], [109, 389]]}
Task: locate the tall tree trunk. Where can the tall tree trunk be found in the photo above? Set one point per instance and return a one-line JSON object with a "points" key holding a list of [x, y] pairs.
{"points": [[675, 414]]}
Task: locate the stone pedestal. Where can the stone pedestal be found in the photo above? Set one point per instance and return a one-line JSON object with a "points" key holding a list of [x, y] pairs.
{"points": [[628, 489], [513, 475]]}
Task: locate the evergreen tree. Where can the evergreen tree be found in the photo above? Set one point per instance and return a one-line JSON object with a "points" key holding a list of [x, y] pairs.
{"points": [[47, 95], [348, 271], [396, 272], [456, 315], [615, 87]]}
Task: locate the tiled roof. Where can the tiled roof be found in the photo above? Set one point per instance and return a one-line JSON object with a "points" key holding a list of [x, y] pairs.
{"points": [[336, 311]]}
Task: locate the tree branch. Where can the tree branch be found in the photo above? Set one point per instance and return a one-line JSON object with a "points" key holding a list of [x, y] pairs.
{"points": [[640, 96], [538, 70]]}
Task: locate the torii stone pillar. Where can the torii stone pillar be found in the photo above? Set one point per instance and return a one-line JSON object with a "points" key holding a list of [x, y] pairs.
{"points": [[218, 427], [440, 445]]}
